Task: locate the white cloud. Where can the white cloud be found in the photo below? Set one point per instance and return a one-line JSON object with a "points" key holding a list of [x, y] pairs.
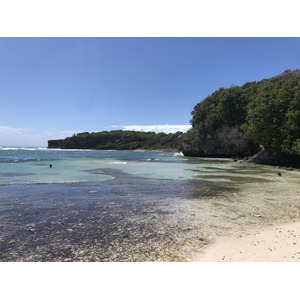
{"points": [[157, 128], [10, 136]]}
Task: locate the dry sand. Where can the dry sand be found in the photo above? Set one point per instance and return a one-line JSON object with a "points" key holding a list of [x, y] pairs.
{"points": [[272, 244]]}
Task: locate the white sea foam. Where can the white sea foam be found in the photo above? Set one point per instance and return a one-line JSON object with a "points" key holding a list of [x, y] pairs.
{"points": [[28, 149], [7, 148], [23, 148], [178, 154], [117, 162], [69, 150]]}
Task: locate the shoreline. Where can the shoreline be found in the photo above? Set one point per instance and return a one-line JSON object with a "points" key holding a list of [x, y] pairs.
{"points": [[276, 243], [133, 150]]}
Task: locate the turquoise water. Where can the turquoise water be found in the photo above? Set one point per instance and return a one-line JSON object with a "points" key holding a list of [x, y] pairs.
{"points": [[32, 165], [19, 165], [132, 205]]}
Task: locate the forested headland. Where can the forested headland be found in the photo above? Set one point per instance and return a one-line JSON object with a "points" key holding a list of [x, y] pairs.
{"points": [[259, 120], [261, 117], [120, 140]]}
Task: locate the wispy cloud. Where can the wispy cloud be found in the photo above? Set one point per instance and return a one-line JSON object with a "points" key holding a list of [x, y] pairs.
{"points": [[155, 128], [11, 136]]}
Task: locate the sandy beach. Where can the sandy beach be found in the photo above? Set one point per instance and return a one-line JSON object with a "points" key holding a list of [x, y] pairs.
{"points": [[279, 243]]}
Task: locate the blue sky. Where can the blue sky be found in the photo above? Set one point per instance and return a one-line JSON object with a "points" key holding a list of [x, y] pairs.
{"points": [[53, 87]]}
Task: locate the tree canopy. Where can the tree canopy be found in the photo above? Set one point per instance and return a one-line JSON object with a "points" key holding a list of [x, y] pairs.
{"points": [[267, 111], [120, 140]]}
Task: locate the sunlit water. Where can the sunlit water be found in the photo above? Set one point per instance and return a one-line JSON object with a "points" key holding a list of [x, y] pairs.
{"points": [[131, 205]]}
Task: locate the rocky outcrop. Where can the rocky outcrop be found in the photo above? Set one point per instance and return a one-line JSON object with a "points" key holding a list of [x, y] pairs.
{"points": [[272, 157], [59, 144], [266, 156], [223, 142]]}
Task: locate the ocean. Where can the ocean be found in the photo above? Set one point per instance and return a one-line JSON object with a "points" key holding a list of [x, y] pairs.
{"points": [[132, 205]]}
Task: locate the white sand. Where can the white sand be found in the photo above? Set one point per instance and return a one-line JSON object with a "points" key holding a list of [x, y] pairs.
{"points": [[272, 244]]}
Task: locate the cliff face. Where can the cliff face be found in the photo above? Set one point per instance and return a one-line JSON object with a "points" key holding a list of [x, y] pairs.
{"points": [[56, 144], [223, 142], [71, 143]]}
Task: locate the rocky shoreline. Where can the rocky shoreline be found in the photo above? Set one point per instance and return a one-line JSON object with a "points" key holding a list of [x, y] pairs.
{"points": [[230, 142], [270, 158]]}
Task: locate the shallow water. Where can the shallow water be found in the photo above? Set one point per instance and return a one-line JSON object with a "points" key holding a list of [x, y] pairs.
{"points": [[132, 206]]}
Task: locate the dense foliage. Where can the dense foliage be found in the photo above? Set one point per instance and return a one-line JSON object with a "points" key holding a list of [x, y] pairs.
{"points": [[225, 106], [267, 111], [273, 116], [120, 140]]}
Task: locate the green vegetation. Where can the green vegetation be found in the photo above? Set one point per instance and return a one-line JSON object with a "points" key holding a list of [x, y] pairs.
{"points": [[120, 140], [224, 107], [268, 112], [273, 117]]}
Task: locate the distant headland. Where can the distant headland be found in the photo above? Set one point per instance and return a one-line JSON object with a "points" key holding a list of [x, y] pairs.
{"points": [[120, 140]]}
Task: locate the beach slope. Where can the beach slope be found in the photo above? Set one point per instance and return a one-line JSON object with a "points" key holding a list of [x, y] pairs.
{"points": [[271, 244]]}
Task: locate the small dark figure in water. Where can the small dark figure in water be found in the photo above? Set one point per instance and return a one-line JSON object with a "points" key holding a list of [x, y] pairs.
{"points": [[279, 174], [50, 166]]}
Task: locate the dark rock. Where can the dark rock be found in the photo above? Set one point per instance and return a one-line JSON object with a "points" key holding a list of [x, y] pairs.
{"points": [[273, 157], [56, 144], [266, 156], [222, 142]]}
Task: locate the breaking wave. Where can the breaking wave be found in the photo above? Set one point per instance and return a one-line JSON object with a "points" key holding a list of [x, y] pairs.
{"points": [[178, 154]]}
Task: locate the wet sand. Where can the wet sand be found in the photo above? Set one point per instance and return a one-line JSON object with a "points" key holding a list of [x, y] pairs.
{"points": [[269, 244]]}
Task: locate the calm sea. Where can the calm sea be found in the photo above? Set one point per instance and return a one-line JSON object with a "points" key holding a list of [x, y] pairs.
{"points": [[131, 205]]}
